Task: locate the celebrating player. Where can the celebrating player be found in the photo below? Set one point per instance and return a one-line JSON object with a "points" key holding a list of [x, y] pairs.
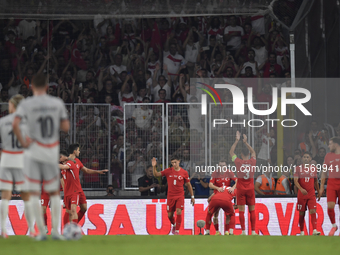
{"points": [[221, 199], [305, 179], [176, 178], [332, 165], [73, 193], [11, 168], [46, 116], [245, 183], [218, 181]]}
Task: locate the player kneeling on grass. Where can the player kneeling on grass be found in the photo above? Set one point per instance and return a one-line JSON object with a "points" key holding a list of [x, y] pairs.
{"points": [[221, 200], [305, 179], [176, 178], [11, 168]]}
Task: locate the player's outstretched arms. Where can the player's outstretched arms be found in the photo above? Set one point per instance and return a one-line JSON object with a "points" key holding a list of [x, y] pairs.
{"points": [[233, 147], [154, 168], [90, 171]]}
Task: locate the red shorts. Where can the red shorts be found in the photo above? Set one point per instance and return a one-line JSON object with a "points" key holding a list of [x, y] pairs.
{"points": [[245, 197], [45, 199], [173, 204], [303, 203], [333, 195], [226, 206], [74, 199]]}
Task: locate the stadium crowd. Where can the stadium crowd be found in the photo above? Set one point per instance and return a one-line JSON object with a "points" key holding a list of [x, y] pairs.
{"points": [[149, 61]]}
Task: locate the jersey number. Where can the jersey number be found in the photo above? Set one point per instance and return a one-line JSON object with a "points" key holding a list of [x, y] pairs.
{"points": [[15, 142], [299, 207], [46, 126], [306, 179], [247, 176], [174, 182]]}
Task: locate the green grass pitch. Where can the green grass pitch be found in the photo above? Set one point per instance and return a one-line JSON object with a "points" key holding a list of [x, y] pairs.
{"points": [[174, 245]]}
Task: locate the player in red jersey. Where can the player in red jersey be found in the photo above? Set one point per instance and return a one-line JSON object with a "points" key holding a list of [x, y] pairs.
{"points": [[331, 167], [176, 178], [73, 193], [221, 199], [45, 197], [245, 181], [305, 179], [220, 179]]}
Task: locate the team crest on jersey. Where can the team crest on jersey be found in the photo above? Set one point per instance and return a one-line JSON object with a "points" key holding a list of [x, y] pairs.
{"points": [[180, 177]]}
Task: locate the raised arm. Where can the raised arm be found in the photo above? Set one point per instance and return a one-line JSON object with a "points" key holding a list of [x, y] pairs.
{"points": [[90, 171], [252, 151], [154, 168], [233, 147]]}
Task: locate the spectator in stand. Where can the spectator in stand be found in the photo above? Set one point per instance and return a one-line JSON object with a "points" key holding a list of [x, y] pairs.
{"points": [[143, 115], [265, 184], [162, 96], [119, 147], [251, 62], [117, 67], [267, 143], [233, 34], [148, 185], [192, 48], [173, 61], [128, 95], [109, 191], [161, 84], [136, 168], [283, 185], [320, 156], [107, 89], [200, 184], [260, 47], [271, 66]]}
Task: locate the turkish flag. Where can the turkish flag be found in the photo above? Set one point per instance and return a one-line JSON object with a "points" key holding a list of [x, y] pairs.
{"points": [[76, 57]]}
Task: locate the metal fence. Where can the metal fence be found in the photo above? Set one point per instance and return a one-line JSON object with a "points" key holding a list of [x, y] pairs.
{"points": [[143, 140], [92, 130]]}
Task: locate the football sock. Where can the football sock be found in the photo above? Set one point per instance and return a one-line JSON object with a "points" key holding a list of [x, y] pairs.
{"points": [[178, 221], [45, 218], [253, 220], [301, 222], [80, 215], [66, 218], [242, 221], [55, 212], [232, 223], [208, 221], [313, 219], [4, 213], [226, 227], [37, 212], [29, 215], [216, 227], [172, 220], [331, 215]]}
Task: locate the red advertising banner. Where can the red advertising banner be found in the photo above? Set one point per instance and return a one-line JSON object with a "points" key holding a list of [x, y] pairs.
{"points": [[275, 216]]}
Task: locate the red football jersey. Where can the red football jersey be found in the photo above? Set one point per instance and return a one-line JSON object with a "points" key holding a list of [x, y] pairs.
{"points": [[220, 179], [72, 183], [225, 196], [306, 177], [176, 180], [245, 173], [332, 161]]}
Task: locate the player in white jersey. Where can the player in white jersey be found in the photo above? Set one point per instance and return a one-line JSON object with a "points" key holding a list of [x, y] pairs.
{"points": [[11, 168], [45, 116]]}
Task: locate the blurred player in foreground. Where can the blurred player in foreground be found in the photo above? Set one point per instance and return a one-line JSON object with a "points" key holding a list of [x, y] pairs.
{"points": [[12, 168], [305, 179], [221, 200], [176, 178], [245, 181], [46, 116], [219, 180], [73, 193], [332, 164]]}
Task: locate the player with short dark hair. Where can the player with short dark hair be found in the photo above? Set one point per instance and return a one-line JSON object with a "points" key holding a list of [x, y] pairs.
{"points": [[305, 179], [73, 192], [245, 183], [332, 162], [176, 178], [219, 180], [45, 116]]}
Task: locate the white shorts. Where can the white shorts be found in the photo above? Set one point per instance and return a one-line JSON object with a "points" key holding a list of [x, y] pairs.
{"points": [[37, 173], [11, 176]]}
